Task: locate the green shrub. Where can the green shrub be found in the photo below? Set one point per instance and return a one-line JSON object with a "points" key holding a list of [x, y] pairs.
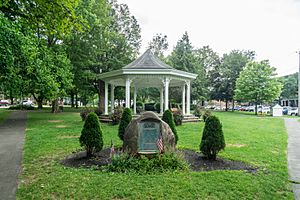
{"points": [[125, 120], [116, 115], [168, 118], [178, 117], [84, 113], [198, 111], [212, 138], [206, 114], [91, 135], [157, 163], [21, 107]]}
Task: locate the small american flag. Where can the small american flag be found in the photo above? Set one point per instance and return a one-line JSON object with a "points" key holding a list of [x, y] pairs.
{"points": [[159, 144], [112, 149]]}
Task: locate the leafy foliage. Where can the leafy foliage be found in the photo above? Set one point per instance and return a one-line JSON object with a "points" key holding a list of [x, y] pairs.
{"points": [[125, 120], [205, 114], [212, 139], [91, 135], [158, 45], [169, 119], [178, 117], [116, 115], [257, 84], [125, 163], [290, 86]]}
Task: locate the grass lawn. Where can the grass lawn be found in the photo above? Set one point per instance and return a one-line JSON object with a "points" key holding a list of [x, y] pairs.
{"points": [[259, 141], [4, 113]]}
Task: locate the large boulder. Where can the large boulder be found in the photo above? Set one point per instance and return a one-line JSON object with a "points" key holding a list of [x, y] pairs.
{"points": [[146, 135]]}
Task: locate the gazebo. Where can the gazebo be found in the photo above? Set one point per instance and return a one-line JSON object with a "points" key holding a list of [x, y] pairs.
{"points": [[148, 71]]}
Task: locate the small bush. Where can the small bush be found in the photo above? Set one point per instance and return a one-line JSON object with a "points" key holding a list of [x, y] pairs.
{"points": [[125, 120], [21, 107], [178, 117], [168, 118], [212, 138], [91, 135], [198, 111], [84, 113], [116, 116], [206, 114], [157, 163]]}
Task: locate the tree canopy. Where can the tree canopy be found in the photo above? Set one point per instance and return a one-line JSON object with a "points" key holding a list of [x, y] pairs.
{"points": [[257, 83]]}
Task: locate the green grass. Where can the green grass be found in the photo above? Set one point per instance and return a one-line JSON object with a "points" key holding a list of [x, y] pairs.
{"points": [[259, 141], [4, 113]]}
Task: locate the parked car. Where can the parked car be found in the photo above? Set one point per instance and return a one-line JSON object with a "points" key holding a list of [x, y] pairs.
{"points": [[4, 102], [285, 110], [27, 103], [293, 111], [263, 109]]}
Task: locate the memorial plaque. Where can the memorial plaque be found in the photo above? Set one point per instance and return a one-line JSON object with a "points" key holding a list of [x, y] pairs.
{"points": [[149, 132]]}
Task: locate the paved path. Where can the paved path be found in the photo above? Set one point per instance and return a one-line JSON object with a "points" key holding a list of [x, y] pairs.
{"points": [[293, 128], [11, 145]]}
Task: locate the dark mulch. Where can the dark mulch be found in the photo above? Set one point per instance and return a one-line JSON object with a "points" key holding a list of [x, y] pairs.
{"points": [[196, 161]]}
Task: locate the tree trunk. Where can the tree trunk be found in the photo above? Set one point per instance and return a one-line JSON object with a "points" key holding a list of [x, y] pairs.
{"points": [[101, 91], [226, 105], [76, 99], [55, 107], [255, 108], [40, 104], [72, 99], [232, 105], [39, 101], [11, 97]]}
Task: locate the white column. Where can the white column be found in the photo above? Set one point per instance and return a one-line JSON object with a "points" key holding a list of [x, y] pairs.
{"points": [[127, 93], [166, 83], [188, 97], [161, 100], [106, 99], [134, 100], [112, 97], [183, 99]]}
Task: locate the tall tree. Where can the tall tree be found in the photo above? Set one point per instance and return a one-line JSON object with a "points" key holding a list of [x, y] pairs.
{"points": [[256, 84], [110, 40], [159, 44], [290, 86]]}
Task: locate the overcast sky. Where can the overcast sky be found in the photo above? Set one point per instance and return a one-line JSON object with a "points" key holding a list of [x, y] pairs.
{"points": [[269, 27]]}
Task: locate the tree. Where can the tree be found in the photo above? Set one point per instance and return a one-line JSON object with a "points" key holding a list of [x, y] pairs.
{"points": [[212, 138], [169, 119], [125, 120], [256, 84], [227, 72], [158, 45], [290, 86], [91, 135]]}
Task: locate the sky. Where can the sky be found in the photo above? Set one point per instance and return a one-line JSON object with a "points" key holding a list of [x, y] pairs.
{"points": [[271, 28]]}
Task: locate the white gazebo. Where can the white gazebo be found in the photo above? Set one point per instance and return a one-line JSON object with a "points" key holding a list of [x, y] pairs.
{"points": [[148, 71]]}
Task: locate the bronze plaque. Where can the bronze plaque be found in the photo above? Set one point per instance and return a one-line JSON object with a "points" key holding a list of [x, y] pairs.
{"points": [[148, 135]]}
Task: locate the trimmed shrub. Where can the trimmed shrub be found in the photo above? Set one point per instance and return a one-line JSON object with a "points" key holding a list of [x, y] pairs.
{"points": [[168, 118], [206, 114], [116, 116], [91, 135], [178, 117], [84, 113], [212, 138], [125, 120], [125, 163]]}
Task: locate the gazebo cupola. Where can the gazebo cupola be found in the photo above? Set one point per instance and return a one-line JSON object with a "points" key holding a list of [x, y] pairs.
{"points": [[148, 71]]}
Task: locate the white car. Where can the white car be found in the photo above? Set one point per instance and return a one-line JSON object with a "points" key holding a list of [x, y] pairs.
{"points": [[27, 103], [293, 111]]}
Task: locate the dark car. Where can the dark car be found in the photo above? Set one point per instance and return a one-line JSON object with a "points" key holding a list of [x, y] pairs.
{"points": [[285, 110]]}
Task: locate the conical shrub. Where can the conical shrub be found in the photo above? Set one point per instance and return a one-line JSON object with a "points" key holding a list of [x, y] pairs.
{"points": [[169, 119], [212, 138], [125, 120], [91, 135]]}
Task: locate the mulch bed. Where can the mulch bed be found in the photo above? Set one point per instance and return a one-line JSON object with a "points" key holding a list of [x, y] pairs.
{"points": [[196, 161]]}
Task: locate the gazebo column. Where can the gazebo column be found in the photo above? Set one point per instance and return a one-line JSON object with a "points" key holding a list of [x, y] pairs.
{"points": [[188, 97], [183, 99], [161, 100], [127, 93], [112, 98], [166, 84], [134, 100], [106, 98]]}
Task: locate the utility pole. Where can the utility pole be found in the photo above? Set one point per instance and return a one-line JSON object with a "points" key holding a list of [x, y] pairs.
{"points": [[299, 84]]}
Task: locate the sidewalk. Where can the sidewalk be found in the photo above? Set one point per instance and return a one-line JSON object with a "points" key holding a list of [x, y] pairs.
{"points": [[293, 128], [11, 144]]}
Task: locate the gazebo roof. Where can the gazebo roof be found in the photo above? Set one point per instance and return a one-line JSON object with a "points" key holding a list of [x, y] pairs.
{"points": [[147, 61], [147, 71]]}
